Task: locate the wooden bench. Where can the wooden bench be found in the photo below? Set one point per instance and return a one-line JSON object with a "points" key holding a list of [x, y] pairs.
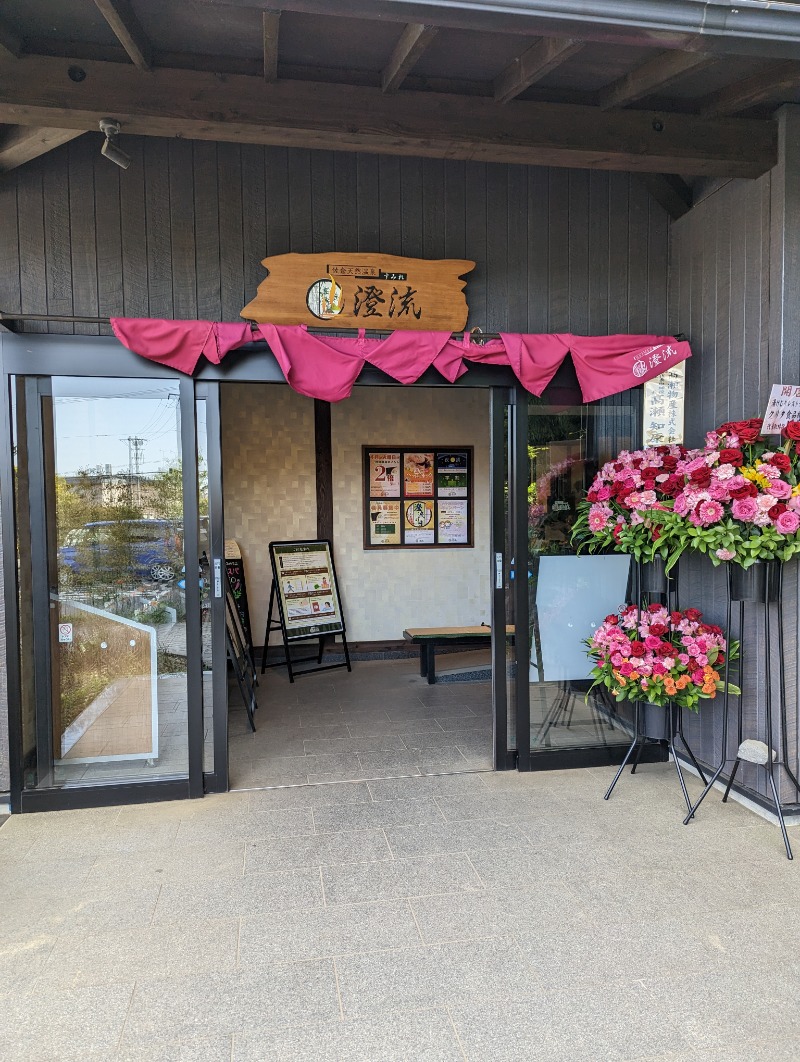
{"points": [[428, 638]]}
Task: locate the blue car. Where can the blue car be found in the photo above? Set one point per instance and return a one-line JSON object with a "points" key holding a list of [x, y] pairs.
{"points": [[142, 549]]}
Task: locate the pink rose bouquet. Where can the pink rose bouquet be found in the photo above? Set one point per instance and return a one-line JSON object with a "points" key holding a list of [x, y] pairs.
{"points": [[659, 656], [629, 504], [741, 501]]}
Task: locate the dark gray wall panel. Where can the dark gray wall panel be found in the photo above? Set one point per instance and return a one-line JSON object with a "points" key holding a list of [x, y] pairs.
{"points": [[182, 232]]}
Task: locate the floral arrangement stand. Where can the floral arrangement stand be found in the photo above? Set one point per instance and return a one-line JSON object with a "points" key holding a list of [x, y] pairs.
{"points": [[652, 654], [760, 585]]}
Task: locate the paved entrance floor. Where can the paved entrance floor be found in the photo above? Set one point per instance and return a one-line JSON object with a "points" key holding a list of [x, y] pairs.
{"points": [[379, 720], [474, 917]]}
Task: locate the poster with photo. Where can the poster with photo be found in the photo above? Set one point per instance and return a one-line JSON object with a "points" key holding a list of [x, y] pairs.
{"points": [[384, 523], [307, 587], [452, 474], [418, 475], [452, 521], [384, 474], [419, 525]]}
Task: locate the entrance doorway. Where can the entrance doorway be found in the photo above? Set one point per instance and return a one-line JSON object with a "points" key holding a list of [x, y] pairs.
{"points": [[285, 478]]}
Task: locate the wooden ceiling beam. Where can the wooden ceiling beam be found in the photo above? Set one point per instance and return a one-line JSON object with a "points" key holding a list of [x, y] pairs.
{"points": [[271, 24], [765, 85], [414, 39], [21, 143], [128, 30], [200, 105], [670, 191], [10, 43], [534, 64], [650, 77]]}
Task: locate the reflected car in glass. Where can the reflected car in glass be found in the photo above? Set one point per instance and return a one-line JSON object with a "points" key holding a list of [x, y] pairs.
{"points": [[142, 549]]}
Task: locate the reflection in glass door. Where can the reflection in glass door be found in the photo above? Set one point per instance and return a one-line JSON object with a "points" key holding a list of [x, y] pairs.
{"points": [[569, 594], [101, 469]]}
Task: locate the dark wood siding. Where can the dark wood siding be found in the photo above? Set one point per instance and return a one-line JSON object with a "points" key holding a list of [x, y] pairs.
{"points": [[182, 232], [723, 265]]}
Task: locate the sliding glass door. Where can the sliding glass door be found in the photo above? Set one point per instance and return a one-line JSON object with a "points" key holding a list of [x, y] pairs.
{"points": [[110, 589]]}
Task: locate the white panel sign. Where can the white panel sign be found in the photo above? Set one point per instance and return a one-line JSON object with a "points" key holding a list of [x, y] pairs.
{"points": [[573, 597], [783, 406]]}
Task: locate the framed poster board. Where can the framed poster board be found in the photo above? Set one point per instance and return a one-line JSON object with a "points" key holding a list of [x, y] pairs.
{"points": [[304, 578], [418, 497], [234, 565]]}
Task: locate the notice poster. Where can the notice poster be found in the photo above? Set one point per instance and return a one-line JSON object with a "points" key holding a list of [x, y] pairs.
{"points": [[419, 523], [407, 496], [384, 523], [452, 520], [451, 474], [306, 584], [384, 475], [234, 565], [783, 406], [418, 475]]}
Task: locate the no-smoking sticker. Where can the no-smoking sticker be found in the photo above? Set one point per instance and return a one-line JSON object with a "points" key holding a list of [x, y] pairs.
{"points": [[65, 632]]}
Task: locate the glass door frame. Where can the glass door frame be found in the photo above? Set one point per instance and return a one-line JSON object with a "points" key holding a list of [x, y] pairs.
{"points": [[84, 357]]}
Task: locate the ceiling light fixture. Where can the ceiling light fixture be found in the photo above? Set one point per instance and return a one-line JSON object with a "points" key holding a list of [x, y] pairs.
{"points": [[110, 128]]}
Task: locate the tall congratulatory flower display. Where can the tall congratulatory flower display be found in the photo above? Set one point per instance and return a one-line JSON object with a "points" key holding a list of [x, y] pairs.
{"points": [[659, 656]]}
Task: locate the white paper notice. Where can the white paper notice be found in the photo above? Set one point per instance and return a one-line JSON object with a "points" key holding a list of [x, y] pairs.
{"points": [[453, 521], [783, 406]]}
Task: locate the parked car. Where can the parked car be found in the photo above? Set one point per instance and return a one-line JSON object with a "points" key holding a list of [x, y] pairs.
{"points": [[143, 549]]}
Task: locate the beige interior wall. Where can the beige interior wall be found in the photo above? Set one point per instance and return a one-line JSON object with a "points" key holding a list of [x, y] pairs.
{"points": [[269, 479], [270, 493], [385, 591]]}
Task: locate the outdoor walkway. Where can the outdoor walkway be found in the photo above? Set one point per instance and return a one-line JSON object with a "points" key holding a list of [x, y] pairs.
{"points": [[473, 916]]}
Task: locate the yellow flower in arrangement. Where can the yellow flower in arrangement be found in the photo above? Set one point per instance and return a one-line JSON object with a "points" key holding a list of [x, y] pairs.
{"points": [[756, 477], [796, 491]]}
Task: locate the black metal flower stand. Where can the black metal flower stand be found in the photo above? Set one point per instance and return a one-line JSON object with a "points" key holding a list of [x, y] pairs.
{"points": [[651, 580], [761, 586]]}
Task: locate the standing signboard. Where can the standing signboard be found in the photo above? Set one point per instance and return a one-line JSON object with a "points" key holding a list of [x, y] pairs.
{"points": [[306, 593]]}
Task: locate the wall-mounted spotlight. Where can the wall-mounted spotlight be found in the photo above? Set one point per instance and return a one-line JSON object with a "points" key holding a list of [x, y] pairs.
{"points": [[110, 128]]}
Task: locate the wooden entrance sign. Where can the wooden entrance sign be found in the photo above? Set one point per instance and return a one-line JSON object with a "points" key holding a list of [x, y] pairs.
{"points": [[380, 291]]}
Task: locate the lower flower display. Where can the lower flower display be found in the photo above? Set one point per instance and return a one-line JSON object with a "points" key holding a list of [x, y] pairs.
{"points": [[654, 655]]}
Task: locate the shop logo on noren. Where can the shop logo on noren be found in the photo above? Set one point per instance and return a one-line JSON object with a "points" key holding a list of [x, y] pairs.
{"points": [[639, 369]]}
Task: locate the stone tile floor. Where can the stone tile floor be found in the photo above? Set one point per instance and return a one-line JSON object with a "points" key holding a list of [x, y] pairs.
{"points": [[478, 916], [381, 720]]}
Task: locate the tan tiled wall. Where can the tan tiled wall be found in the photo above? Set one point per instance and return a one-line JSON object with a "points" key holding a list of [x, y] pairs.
{"points": [[270, 493], [269, 479], [385, 591]]}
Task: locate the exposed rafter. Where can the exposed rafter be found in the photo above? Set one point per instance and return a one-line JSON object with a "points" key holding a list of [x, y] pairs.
{"points": [[414, 39], [127, 29], [534, 64], [653, 75], [10, 43], [21, 143], [766, 85], [271, 24], [670, 191], [193, 103]]}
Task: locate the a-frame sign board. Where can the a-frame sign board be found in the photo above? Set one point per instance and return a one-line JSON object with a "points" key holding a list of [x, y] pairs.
{"points": [[306, 593]]}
